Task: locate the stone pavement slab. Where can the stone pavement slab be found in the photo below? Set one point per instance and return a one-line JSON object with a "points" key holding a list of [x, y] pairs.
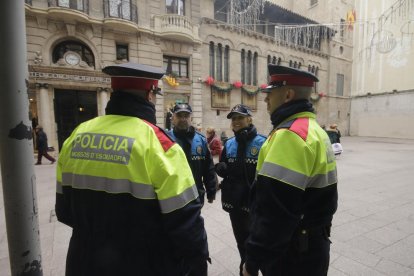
{"points": [[373, 230]]}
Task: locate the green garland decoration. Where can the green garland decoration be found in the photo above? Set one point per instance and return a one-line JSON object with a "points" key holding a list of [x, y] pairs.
{"points": [[222, 86], [250, 89]]}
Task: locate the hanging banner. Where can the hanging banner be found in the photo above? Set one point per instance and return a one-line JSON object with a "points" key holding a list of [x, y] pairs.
{"points": [[222, 86], [250, 89], [350, 19]]}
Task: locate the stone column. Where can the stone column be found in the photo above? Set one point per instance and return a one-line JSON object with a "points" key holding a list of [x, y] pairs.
{"points": [[44, 109], [103, 94]]}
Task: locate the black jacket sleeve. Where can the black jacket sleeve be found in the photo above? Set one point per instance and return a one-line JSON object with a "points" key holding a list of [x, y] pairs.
{"points": [[185, 227], [209, 176], [62, 206], [276, 212], [221, 167]]}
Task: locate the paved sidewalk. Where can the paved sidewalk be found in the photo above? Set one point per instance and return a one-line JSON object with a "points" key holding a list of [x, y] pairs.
{"points": [[373, 231]]}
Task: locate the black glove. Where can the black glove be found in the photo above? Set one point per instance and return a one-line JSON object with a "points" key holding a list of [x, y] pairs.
{"points": [[221, 169]]}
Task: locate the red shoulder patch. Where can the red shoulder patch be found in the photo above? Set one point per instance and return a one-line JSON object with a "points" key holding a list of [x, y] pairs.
{"points": [[300, 126], [165, 140]]}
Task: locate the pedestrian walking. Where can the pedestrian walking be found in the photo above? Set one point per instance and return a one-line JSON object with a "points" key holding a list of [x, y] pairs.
{"points": [[127, 191], [295, 195], [42, 146], [334, 134], [214, 144], [196, 150], [335, 137], [237, 167]]}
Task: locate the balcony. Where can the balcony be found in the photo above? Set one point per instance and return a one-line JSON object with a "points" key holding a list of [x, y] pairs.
{"points": [[77, 10], [120, 15], [176, 27]]}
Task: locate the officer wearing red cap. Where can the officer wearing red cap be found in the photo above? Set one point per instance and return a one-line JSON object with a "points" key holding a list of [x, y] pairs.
{"points": [[295, 194], [127, 191]]}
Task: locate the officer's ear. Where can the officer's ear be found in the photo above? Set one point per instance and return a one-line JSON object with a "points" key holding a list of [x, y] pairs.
{"points": [[290, 95]]}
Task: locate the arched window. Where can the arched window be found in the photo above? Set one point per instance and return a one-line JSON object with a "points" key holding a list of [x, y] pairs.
{"points": [[279, 60], [226, 63], [78, 47], [255, 68], [249, 68], [219, 58], [212, 64], [290, 63], [295, 65], [269, 59], [243, 65], [274, 60], [309, 68]]}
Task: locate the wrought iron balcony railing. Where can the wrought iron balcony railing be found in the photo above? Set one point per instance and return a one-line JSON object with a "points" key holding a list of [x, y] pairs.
{"points": [[79, 5], [121, 9]]}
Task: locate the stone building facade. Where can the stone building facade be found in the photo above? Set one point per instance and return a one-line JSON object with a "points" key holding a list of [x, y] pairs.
{"points": [[69, 42], [383, 86]]}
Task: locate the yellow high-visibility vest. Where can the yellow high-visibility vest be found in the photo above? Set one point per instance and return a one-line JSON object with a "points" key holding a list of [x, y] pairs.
{"points": [[294, 154], [122, 154]]}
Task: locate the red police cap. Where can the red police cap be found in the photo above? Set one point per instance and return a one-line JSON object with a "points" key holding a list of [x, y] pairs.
{"points": [[282, 76], [134, 76]]}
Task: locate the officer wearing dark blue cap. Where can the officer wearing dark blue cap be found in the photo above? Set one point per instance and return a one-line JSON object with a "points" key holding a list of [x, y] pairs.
{"points": [[295, 194], [196, 149], [125, 188], [239, 109], [237, 167]]}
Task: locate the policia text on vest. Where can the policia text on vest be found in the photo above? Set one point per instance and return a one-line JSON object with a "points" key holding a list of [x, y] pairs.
{"points": [[102, 147]]}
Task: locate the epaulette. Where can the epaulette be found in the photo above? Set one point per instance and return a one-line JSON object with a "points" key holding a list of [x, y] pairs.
{"points": [[300, 126], [165, 139]]}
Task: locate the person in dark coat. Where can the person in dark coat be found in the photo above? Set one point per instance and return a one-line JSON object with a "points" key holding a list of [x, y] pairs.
{"points": [[124, 187], [334, 134], [42, 146], [195, 147], [237, 167], [295, 194]]}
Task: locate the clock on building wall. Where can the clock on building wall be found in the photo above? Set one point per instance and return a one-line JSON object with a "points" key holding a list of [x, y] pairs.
{"points": [[72, 58]]}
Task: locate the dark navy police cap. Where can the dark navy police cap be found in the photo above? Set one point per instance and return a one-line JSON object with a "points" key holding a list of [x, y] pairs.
{"points": [[282, 76], [239, 109], [182, 107], [134, 76]]}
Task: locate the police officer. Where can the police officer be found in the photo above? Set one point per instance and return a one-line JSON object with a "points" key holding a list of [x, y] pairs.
{"points": [[195, 147], [132, 209], [237, 167], [296, 190]]}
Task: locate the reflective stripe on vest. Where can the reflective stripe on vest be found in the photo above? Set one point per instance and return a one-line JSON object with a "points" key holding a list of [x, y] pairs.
{"points": [[118, 186], [296, 179]]}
